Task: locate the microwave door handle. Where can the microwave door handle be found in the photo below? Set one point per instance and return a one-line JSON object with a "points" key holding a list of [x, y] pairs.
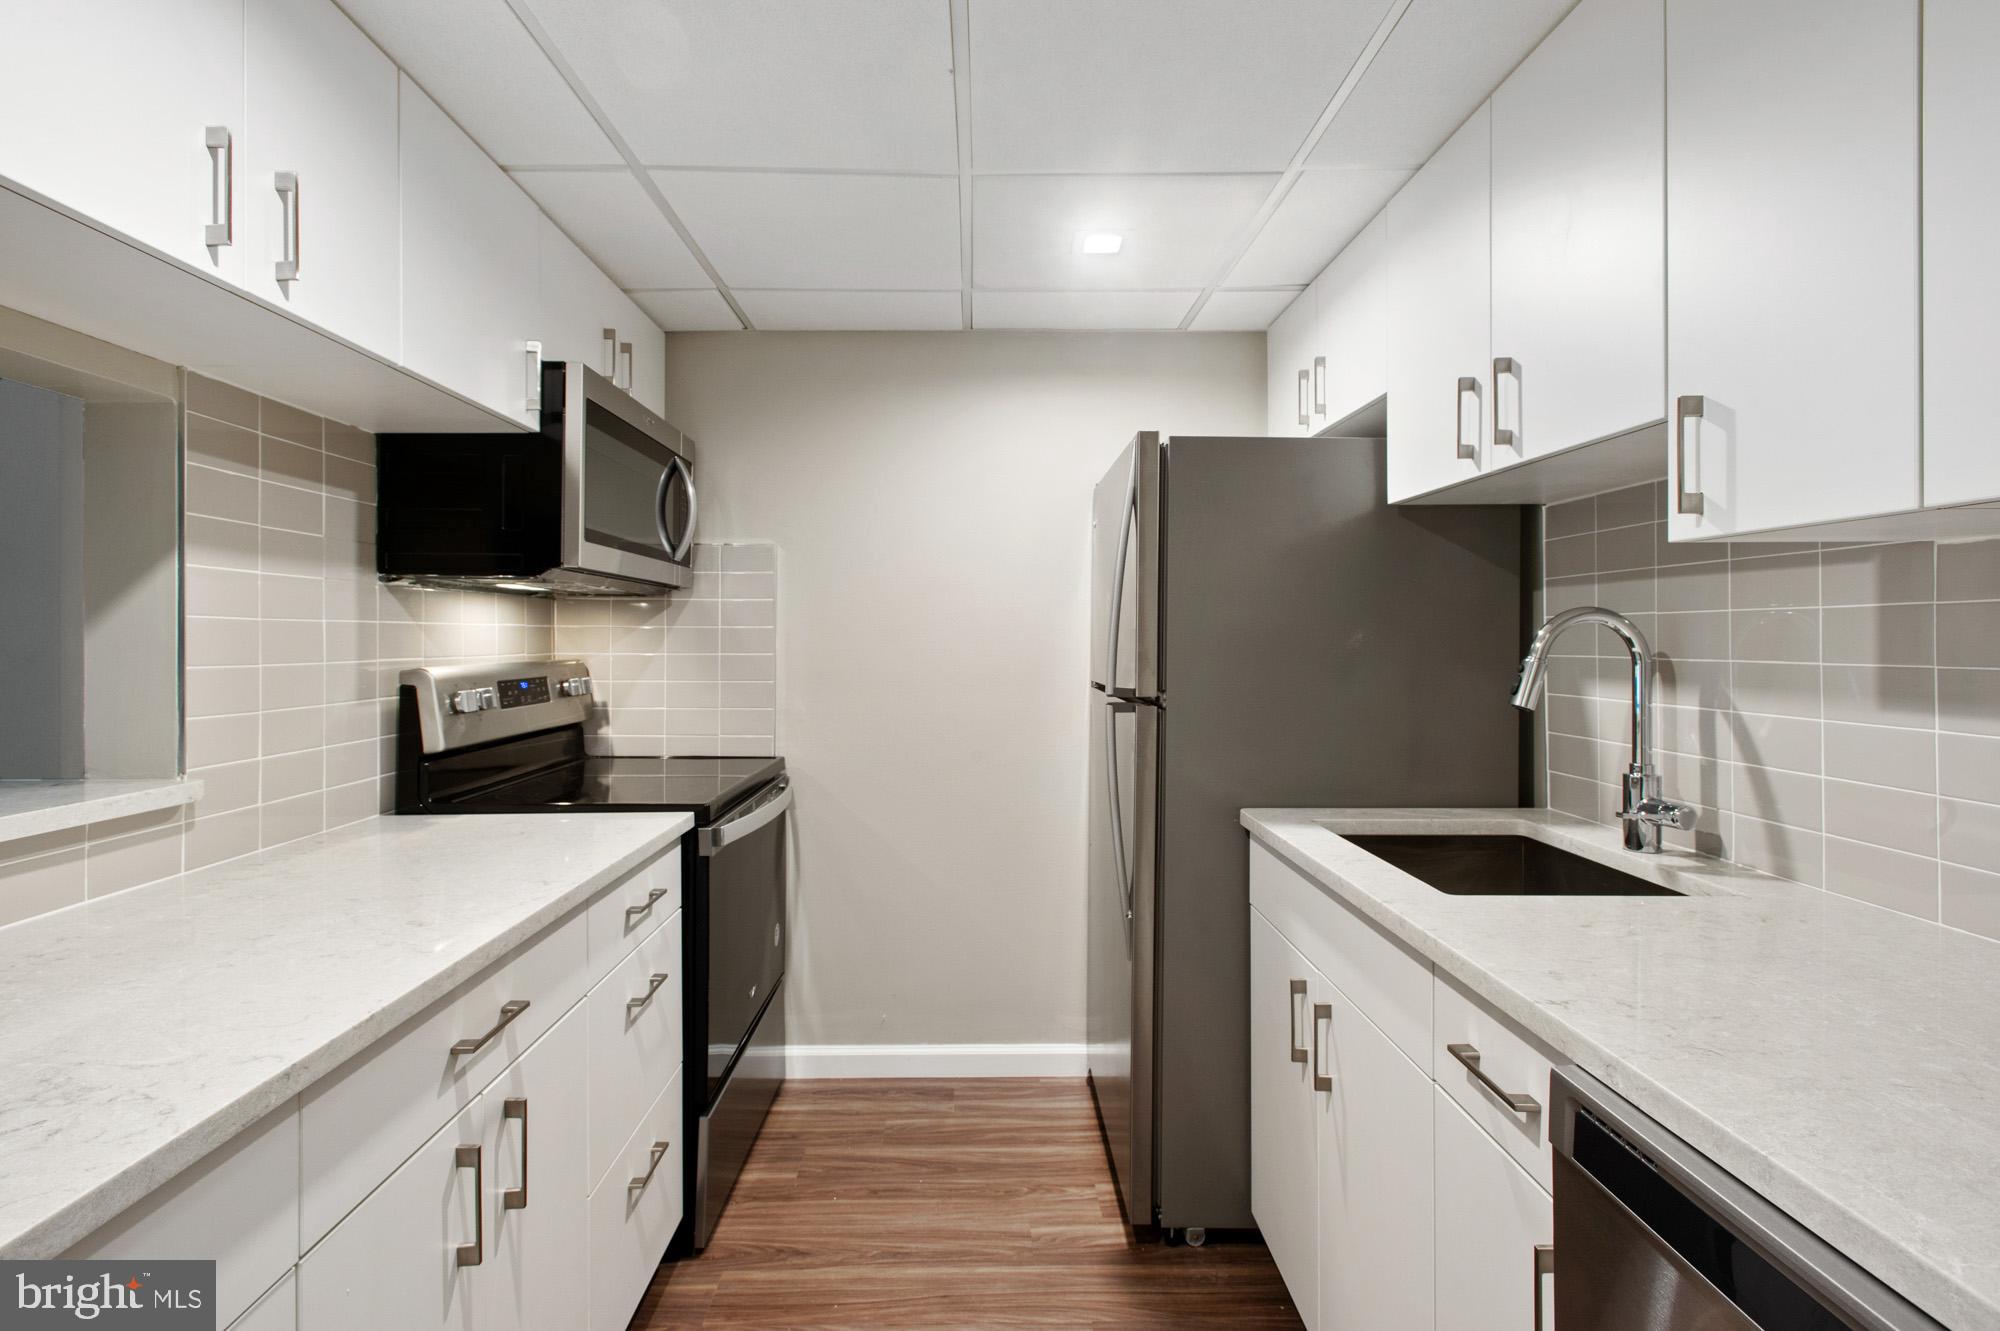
{"points": [[694, 503], [677, 550]]}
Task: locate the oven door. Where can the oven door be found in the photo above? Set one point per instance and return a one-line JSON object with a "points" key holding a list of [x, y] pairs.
{"points": [[630, 493], [744, 858]]}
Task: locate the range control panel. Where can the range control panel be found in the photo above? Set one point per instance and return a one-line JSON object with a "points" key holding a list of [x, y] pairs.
{"points": [[461, 705], [523, 692]]}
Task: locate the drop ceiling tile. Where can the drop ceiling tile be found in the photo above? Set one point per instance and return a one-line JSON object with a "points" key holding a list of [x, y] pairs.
{"points": [[608, 215], [476, 60], [1109, 310], [1242, 311], [1323, 211], [856, 84], [1156, 85], [792, 232], [1444, 58], [698, 311], [1177, 229], [780, 310]]}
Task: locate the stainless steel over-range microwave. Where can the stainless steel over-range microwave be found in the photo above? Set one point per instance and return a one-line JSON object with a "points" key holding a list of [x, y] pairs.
{"points": [[600, 501]]}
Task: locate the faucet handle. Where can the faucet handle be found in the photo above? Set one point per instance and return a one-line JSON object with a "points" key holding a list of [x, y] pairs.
{"points": [[1665, 813]]}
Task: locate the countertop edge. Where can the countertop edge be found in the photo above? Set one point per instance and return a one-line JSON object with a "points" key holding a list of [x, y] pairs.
{"points": [[136, 796], [1937, 1291], [104, 1201]]}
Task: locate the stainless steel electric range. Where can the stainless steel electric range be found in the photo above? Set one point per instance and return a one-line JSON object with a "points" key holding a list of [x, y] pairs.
{"points": [[510, 738]]}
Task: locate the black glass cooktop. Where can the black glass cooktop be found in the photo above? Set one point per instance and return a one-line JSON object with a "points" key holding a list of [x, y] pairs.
{"points": [[545, 774]]}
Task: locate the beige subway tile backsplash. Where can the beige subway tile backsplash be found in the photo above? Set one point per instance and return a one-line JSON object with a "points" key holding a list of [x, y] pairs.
{"points": [[1835, 711], [294, 651]]}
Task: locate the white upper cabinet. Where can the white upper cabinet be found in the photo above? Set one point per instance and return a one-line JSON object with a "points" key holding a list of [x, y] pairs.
{"points": [[1349, 360], [1440, 286], [1579, 252], [1792, 262], [469, 268], [317, 195], [109, 104], [1961, 263], [1288, 370], [577, 304]]}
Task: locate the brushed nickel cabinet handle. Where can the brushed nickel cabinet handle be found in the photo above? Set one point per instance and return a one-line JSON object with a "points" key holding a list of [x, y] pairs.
{"points": [[625, 366], [221, 229], [471, 1157], [516, 1199], [1298, 992], [1466, 384], [1321, 1012], [639, 1184], [287, 184], [534, 355], [611, 353], [632, 1005], [1467, 1054], [1685, 500], [1509, 366], [1319, 385], [1305, 416], [633, 914], [508, 1011], [1545, 1265]]}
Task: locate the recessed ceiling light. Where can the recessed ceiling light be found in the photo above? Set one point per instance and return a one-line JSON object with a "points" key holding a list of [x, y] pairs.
{"points": [[1100, 242]]}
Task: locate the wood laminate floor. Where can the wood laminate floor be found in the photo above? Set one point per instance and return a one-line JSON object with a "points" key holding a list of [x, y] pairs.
{"points": [[943, 1205]]}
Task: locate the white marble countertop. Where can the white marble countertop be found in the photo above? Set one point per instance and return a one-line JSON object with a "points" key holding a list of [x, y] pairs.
{"points": [[1842, 1060], [140, 1031], [30, 808]]}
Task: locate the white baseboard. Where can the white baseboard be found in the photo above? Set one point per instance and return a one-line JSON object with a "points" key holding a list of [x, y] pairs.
{"points": [[816, 1061]]}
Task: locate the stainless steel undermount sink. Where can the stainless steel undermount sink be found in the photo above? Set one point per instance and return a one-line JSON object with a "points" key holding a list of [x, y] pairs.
{"points": [[1503, 866]]}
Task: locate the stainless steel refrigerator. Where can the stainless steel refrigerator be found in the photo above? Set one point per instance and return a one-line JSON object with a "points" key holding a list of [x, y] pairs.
{"points": [[1265, 632]]}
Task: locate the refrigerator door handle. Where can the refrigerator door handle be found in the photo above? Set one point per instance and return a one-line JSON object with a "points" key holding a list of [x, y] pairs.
{"points": [[1115, 707], [1116, 609]]}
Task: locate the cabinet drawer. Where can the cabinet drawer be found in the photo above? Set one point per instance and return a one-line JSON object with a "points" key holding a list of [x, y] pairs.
{"points": [[634, 1050], [1389, 983], [1512, 1058], [240, 1207], [630, 1225], [630, 910], [360, 1123]]}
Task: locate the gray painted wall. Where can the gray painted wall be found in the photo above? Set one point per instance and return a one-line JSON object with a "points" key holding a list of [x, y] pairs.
{"points": [[41, 598], [930, 499]]}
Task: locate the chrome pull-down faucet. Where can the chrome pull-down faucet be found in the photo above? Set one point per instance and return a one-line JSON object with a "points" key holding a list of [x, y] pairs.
{"points": [[1642, 807]]}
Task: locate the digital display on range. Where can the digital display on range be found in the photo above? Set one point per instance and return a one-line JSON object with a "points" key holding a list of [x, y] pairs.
{"points": [[521, 692]]}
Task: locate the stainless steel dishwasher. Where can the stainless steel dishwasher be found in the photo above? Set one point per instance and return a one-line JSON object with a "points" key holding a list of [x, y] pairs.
{"points": [[1651, 1235]]}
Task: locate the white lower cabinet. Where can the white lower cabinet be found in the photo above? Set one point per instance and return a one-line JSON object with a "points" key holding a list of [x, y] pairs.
{"points": [[1375, 1249], [533, 1134], [1284, 1193], [1384, 1204], [1491, 1220], [402, 1258], [423, 1186]]}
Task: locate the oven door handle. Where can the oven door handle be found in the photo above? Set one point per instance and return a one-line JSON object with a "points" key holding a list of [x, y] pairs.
{"points": [[767, 808]]}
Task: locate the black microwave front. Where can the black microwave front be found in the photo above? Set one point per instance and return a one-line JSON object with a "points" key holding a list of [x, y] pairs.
{"points": [[600, 501]]}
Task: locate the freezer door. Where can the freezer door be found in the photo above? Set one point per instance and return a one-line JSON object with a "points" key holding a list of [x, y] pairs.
{"points": [[1124, 749], [1125, 566]]}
